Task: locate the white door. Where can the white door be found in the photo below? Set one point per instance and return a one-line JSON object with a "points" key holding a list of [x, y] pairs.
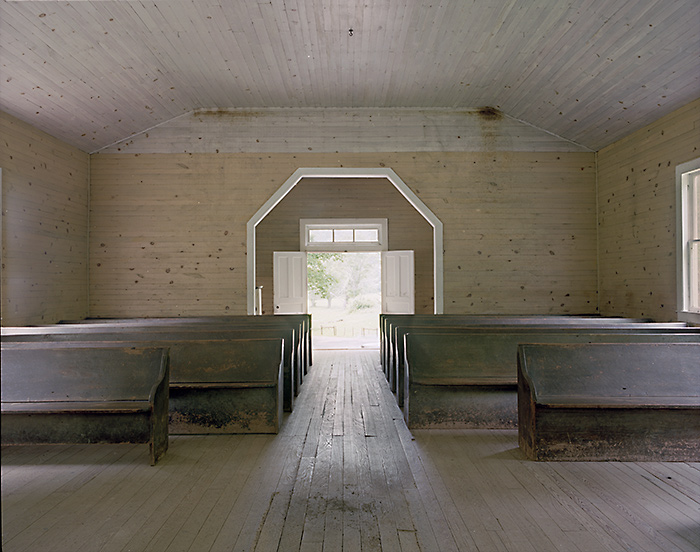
{"points": [[289, 272], [398, 295]]}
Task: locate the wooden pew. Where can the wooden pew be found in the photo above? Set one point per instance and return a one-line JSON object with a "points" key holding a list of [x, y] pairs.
{"points": [[391, 345], [300, 322], [395, 365], [167, 335], [468, 378], [239, 389], [85, 395], [216, 385], [388, 322], [627, 402]]}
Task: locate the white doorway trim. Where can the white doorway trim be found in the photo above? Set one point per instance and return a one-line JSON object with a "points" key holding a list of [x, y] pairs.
{"points": [[344, 172]]}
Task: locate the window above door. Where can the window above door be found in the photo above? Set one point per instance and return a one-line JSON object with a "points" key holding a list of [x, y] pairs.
{"points": [[343, 234]]}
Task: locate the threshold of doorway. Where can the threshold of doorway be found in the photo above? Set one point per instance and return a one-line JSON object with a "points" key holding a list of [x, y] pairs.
{"points": [[324, 342]]}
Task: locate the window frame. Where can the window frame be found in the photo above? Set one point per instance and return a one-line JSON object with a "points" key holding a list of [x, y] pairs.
{"points": [[687, 232], [307, 225]]}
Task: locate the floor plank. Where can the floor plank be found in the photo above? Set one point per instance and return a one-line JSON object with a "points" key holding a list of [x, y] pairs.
{"points": [[344, 474]]}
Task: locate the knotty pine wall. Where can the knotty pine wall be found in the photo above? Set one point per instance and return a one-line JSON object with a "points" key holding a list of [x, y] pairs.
{"points": [[347, 198], [44, 226], [168, 231], [637, 215]]}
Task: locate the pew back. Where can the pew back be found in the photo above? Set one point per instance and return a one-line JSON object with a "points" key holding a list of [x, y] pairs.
{"points": [[74, 374], [597, 374]]}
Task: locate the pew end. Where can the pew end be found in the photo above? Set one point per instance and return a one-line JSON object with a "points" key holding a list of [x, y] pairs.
{"points": [[63, 395]]}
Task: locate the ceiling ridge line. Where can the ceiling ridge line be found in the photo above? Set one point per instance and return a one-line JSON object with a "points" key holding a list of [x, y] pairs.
{"points": [[335, 108], [140, 132], [548, 132]]}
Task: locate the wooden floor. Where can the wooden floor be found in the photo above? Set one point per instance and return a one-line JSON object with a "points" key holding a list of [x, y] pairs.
{"points": [[344, 474]]}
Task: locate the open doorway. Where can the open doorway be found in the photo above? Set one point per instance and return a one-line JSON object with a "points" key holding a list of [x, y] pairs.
{"points": [[349, 193], [344, 299]]}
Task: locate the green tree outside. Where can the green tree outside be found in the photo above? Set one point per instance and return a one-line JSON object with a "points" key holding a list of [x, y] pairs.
{"points": [[321, 280]]}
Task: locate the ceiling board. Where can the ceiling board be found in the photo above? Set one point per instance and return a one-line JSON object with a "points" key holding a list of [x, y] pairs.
{"points": [[93, 73]]}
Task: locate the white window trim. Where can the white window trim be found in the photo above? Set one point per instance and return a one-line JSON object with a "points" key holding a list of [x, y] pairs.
{"points": [[683, 178], [305, 225]]}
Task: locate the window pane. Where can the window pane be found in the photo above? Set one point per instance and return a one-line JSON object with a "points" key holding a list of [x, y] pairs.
{"points": [[367, 235], [695, 207], [320, 236], [694, 277], [694, 243], [689, 241], [344, 235]]}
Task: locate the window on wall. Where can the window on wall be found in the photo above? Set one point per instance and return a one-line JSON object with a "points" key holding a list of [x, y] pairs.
{"points": [[343, 234], [688, 232]]}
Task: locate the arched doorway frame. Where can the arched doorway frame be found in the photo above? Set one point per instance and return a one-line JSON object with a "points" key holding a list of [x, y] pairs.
{"points": [[345, 172]]}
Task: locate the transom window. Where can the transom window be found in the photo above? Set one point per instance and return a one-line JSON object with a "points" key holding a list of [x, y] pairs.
{"points": [[343, 234], [688, 177]]}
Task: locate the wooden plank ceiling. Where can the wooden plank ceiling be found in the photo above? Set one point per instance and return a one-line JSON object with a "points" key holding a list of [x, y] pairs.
{"points": [[93, 73]]}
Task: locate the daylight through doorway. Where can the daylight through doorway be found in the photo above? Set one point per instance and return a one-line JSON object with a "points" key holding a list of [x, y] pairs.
{"points": [[344, 291]]}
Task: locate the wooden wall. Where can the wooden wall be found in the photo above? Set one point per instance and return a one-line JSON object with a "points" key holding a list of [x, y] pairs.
{"points": [[637, 215], [44, 226], [168, 231], [519, 230], [347, 198]]}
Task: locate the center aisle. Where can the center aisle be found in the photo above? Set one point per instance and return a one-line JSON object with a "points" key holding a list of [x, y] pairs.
{"points": [[339, 477]]}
